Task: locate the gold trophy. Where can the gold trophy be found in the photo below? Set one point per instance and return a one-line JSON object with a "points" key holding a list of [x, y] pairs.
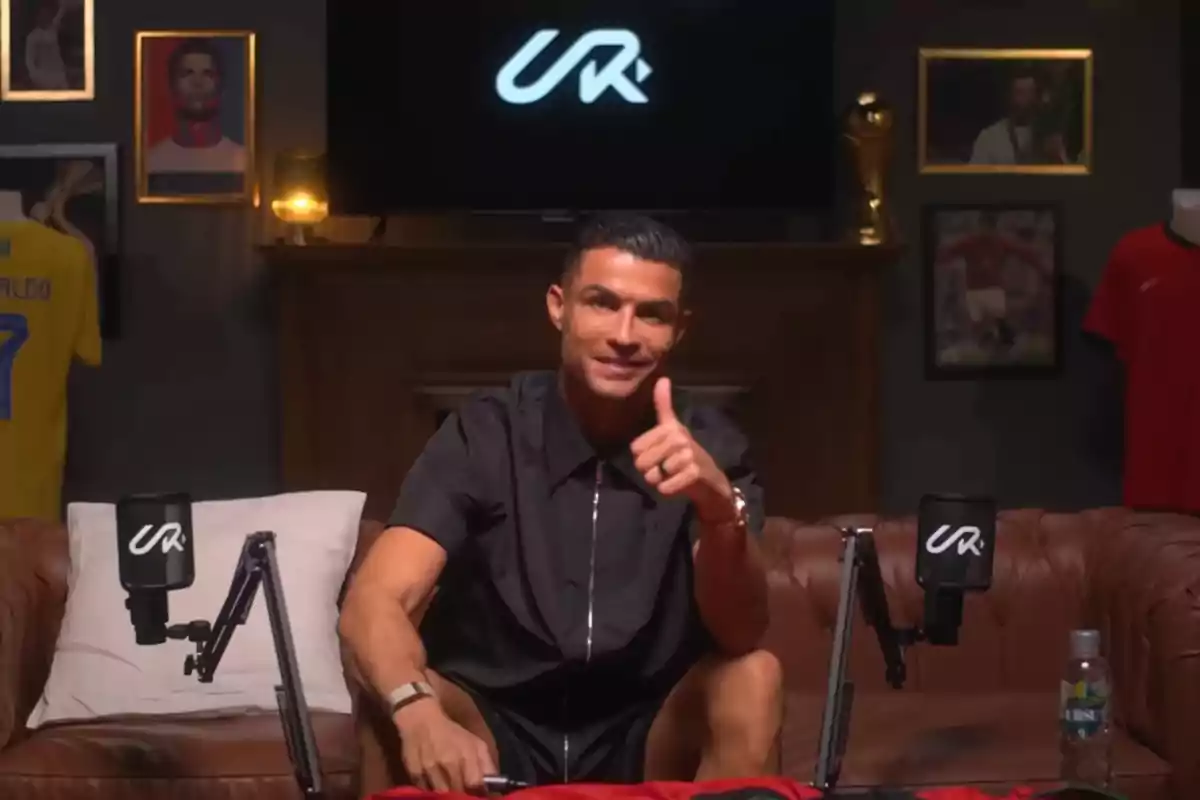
{"points": [[869, 129]]}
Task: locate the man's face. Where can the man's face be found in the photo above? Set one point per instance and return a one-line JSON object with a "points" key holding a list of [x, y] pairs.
{"points": [[46, 12], [619, 316], [195, 84], [1023, 99]]}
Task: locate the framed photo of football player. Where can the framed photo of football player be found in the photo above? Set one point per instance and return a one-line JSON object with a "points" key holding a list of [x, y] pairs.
{"points": [[194, 116], [73, 189], [1004, 111], [993, 299], [47, 50]]}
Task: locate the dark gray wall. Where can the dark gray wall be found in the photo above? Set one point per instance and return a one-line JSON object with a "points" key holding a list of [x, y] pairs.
{"points": [[185, 398], [1030, 442]]}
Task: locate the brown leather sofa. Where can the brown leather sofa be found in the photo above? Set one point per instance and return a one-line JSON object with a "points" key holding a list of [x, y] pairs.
{"points": [[981, 713], [984, 713], [242, 758]]}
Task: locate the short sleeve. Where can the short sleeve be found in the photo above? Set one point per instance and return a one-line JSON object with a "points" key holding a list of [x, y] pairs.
{"points": [[1108, 314], [440, 495], [87, 346]]}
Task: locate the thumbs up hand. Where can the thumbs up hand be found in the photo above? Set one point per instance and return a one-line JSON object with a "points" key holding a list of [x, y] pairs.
{"points": [[673, 462]]}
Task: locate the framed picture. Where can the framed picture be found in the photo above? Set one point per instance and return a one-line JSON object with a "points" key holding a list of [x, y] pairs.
{"points": [[993, 300], [1005, 111], [194, 116], [74, 189], [47, 50]]}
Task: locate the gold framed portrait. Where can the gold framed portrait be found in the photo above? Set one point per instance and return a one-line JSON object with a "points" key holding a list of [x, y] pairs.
{"points": [[194, 116], [1006, 111], [47, 50]]}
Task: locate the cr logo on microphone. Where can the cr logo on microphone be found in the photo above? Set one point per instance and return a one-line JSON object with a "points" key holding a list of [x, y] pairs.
{"points": [[170, 534], [593, 81], [967, 537]]}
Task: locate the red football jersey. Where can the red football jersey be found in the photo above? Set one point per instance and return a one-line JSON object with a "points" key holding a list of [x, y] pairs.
{"points": [[1148, 306]]}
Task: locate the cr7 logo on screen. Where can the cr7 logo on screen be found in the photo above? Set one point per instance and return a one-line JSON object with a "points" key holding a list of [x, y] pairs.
{"points": [[593, 79]]}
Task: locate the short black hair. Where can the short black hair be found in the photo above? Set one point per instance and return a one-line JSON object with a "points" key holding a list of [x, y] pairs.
{"points": [[194, 45], [636, 234]]}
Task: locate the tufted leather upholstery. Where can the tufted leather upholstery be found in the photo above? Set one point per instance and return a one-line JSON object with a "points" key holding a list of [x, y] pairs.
{"points": [[980, 713], [241, 758], [984, 712]]}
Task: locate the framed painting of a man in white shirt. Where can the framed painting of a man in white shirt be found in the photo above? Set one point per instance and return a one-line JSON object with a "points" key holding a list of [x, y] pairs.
{"points": [[1005, 111], [47, 50], [194, 116]]}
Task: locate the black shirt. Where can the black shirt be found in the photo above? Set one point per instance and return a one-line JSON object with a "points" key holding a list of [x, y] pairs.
{"points": [[567, 572]]}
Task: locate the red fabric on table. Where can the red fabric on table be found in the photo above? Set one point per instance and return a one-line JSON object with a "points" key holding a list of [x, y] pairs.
{"points": [[960, 793], [729, 789]]}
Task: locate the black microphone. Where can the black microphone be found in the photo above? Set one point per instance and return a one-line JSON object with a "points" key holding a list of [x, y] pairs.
{"points": [[154, 556], [956, 543], [956, 537]]}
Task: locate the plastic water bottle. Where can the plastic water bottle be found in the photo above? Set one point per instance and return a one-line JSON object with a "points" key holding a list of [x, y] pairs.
{"points": [[1085, 714]]}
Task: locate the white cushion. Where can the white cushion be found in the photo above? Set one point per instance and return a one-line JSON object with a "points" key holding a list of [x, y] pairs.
{"points": [[99, 670]]}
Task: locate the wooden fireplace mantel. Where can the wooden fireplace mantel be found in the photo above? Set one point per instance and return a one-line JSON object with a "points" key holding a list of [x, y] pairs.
{"points": [[376, 340]]}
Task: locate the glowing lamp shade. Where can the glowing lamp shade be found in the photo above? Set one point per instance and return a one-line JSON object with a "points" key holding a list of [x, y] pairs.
{"points": [[300, 195]]}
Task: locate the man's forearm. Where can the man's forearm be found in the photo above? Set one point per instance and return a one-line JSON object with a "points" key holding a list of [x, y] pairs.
{"points": [[731, 587], [385, 648]]}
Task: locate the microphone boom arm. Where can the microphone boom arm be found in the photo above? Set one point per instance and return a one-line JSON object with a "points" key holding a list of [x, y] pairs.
{"points": [[861, 580], [839, 692], [257, 566], [874, 605]]}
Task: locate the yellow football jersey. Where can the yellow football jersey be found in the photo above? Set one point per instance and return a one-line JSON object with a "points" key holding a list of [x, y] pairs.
{"points": [[48, 314]]}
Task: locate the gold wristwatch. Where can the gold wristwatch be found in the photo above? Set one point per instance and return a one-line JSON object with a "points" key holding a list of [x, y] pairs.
{"points": [[741, 510]]}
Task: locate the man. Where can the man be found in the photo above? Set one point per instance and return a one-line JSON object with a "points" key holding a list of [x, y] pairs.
{"points": [[1018, 139], [44, 62], [578, 633], [197, 144]]}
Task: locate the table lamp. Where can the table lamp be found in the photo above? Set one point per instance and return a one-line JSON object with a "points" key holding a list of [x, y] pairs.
{"points": [[301, 200]]}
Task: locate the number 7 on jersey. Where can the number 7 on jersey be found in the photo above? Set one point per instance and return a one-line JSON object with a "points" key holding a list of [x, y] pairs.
{"points": [[14, 332]]}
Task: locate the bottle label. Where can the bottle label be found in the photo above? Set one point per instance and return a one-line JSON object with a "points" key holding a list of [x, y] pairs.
{"points": [[1084, 708]]}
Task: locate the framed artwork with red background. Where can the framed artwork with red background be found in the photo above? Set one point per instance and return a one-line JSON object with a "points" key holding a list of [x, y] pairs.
{"points": [[194, 116]]}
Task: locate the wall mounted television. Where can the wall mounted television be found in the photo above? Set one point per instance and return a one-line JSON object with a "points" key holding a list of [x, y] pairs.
{"points": [[580, 105]]}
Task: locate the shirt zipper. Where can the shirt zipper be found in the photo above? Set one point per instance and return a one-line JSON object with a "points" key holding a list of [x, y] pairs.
{"points": [[591, 606]]}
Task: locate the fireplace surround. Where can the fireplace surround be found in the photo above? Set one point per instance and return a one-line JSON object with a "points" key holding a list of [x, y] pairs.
{"points": [[377, 343]]}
